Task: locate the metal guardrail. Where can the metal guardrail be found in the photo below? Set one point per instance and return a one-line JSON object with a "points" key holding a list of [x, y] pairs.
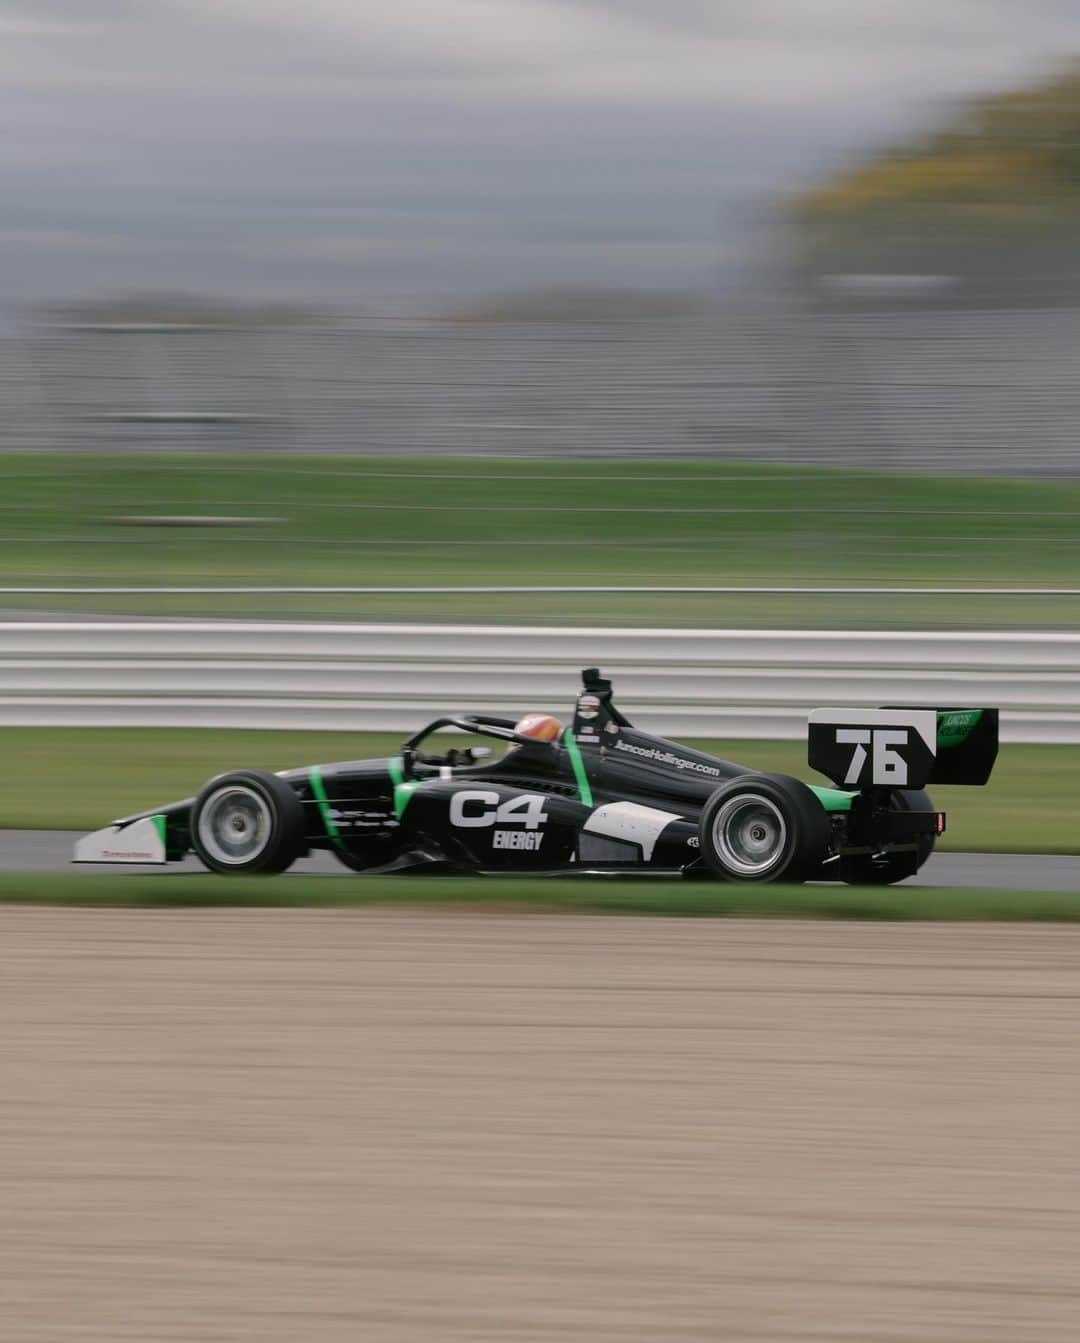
{"points": [[707, 683]]}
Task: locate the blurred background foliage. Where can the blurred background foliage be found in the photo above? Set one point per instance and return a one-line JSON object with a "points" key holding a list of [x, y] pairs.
{"points": [[992, 196]]}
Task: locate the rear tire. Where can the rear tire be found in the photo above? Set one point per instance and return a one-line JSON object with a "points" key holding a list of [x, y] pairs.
{"points": [[247, 821], [763, 827], [863, 869]]}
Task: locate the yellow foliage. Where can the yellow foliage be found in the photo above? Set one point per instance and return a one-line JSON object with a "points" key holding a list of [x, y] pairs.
{"points": [[971, 178], [1009, 151]]}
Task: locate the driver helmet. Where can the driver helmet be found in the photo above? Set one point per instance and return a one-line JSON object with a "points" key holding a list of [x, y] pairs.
{"points": [[539, 726]]}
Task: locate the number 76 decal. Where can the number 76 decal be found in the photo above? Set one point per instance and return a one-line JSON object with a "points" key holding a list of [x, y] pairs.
{"points": [[874, 748], [888, 765]]}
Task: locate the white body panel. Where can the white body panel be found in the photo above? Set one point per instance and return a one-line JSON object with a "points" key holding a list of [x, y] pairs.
{"points": [[631, 822], [141, 842]]}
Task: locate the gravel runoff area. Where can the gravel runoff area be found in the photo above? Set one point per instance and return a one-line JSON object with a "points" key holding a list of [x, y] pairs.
{"points": [[50, 851], [281, 1125]]}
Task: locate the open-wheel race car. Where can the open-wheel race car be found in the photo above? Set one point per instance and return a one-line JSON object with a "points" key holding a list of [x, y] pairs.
{"points": [[599, 796]]}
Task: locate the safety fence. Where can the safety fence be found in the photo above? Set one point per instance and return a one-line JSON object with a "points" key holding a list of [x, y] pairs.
{"points": [[983, 390]]}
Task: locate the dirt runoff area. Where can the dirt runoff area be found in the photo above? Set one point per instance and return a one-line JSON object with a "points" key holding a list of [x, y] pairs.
{"points": [[342, 1125]]}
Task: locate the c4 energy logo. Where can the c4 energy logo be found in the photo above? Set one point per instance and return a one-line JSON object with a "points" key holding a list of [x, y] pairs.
{"points": [[517, 839], [474, 808], [478, 808]]}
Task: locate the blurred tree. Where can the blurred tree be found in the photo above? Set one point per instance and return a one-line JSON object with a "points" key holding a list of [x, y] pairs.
{"points": [[991, 201]]}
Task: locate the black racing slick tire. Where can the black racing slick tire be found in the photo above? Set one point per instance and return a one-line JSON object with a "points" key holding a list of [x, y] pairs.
{"points": [[763, 827], [864, 869], [247, 821]]}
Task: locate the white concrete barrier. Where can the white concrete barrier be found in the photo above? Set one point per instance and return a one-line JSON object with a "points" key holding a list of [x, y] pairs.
{"points": [[723, 683]]}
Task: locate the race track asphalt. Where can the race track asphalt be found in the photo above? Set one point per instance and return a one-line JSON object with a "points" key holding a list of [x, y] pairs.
{"points": [[50, 851]]}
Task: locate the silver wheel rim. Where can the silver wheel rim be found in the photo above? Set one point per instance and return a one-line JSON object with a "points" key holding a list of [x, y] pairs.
{"points": [[235, 825], [749, 834]]}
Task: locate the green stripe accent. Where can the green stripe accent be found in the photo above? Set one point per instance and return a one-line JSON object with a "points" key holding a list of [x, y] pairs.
{"points": [[402, 791], [316, 781], [574, 752], [159, 826], [832, 799]]}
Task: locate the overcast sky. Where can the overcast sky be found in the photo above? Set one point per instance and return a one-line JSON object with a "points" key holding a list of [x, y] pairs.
{"points": [[349, 149]]}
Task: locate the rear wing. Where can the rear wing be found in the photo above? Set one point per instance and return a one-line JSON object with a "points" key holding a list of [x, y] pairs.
{"points": [[903, 746]]}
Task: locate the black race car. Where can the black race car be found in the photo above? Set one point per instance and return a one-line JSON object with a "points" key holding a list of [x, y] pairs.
{"points": [[600, 796]]}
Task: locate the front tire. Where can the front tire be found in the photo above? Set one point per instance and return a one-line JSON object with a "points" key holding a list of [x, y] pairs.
{"points": [[763, 827], [247, 821]]}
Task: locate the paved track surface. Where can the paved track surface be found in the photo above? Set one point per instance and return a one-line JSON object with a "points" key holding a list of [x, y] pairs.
{"points": [[50, 851], [279, 1125]]}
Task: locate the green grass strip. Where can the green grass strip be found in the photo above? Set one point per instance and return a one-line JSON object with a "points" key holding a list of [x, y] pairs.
{"points": [[355, 520], [577, 895]]}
